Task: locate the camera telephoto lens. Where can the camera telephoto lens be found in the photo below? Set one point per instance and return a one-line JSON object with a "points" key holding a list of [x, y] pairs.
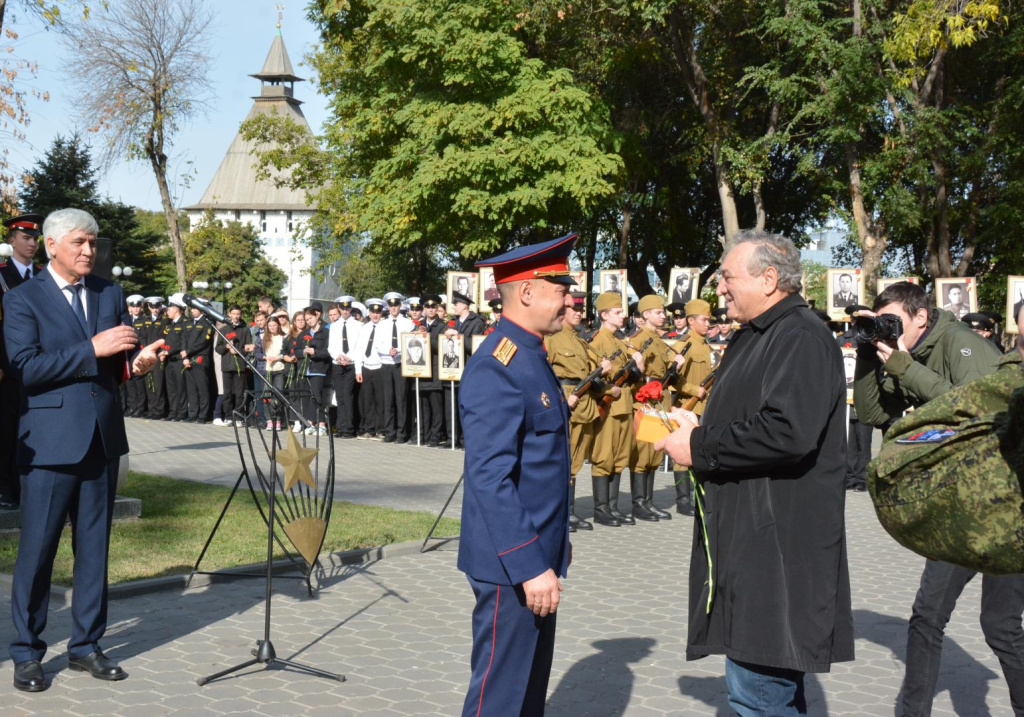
{"points": [[885, 327]]}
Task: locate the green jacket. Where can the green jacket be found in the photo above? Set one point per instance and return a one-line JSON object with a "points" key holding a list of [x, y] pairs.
{"points": [[949, 354]]}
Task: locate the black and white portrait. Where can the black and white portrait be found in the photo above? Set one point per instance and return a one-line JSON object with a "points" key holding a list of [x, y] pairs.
{"points": [[463, 282], [452, 352], [845, 288], [415, 355], [956, 295], [614, 280], [682, 284]]}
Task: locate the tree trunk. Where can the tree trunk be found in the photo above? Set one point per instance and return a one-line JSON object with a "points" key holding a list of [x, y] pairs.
{"points": [[627, 215], [870, 235], [159, 169]]}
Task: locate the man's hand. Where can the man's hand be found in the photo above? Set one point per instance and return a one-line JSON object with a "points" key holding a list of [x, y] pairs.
{"points": [[679, 359], [450, 332], [572, 400], [309, 350], [542, 593], [146, 358], [616, 391], [250, 347], [359, 378], [606, 367], [677, 443], [186, 363], [701, 392], [639, 360], [393, 352], [117, 339]]}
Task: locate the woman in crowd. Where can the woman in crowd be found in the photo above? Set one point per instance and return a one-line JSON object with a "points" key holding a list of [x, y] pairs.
{"points": [[274, 349]]}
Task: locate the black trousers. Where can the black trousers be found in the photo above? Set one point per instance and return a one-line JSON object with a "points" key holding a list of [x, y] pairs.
{"points": [[10, 476], [432, 415], [234, 395], [135, 393], [177, 395], [454, 428], [197, 390], [344, 378], [1002, 602], [156, 397], [395, 400], [858, 454], [371, 396], [314, 406]]}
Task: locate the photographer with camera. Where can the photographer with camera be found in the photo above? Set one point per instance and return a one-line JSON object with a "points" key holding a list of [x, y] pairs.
{"points": [[908, 354]]}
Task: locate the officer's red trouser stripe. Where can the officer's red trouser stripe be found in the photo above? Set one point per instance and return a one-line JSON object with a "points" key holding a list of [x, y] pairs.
{"points": [[494, 641]]}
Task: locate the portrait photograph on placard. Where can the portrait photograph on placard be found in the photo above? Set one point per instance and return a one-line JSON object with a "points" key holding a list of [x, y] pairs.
{"points": [[883, 284], [580, 277], [475, 341], [415, 355], [845, 288], [488, 287], [463, 282], [956, 295], [614, 280], [1014, 302], [683, 284], [452, 357]]}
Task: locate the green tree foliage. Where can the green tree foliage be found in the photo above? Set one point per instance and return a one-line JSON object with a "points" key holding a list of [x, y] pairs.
{"points": [[215, 251], [444, 131]]}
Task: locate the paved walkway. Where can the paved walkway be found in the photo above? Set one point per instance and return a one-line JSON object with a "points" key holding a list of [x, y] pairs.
{"points": [[399, 628]]}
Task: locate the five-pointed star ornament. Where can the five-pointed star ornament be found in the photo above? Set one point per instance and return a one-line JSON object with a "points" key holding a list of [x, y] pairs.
{"points": [[295, 459]]}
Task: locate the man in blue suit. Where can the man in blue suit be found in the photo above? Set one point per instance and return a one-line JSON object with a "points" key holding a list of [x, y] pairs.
{"points": [[70, 351], [515, 513]]}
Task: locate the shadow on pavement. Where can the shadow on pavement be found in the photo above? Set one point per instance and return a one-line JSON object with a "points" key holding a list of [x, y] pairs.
{"points": [[605, 676], [961, 674], [713, 692]]}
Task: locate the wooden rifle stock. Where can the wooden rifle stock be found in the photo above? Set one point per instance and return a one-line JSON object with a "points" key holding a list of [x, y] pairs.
{"points": [[584, 385], [673, 370], [706, 384], [620, 379]]}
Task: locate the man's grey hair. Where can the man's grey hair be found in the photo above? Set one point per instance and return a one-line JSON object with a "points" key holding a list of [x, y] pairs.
{"points": [[772, 250], [62, 222]]}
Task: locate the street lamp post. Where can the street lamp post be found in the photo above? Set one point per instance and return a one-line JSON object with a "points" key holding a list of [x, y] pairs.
{"points": [[221, 286], [119, 271]]}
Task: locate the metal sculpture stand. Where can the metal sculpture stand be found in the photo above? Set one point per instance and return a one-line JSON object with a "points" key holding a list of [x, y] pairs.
{"points": [[430, 535]]}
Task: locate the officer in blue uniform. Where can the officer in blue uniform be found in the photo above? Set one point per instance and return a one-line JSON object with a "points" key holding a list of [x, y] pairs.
{"points": [[515, 513]]}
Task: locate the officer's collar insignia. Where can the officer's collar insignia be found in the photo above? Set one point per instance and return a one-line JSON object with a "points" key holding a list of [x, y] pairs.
{"points": [[505, 350], [965, 352], [932, 435], [545, 400]]}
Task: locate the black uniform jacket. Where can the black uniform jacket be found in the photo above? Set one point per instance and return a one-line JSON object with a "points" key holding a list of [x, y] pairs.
{"points": [[771, 458]]}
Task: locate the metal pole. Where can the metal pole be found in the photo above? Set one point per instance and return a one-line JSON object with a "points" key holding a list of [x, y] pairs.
{"points": [[419, 426]]}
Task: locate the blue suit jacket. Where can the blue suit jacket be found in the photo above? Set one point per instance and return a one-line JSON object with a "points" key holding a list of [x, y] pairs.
{"points": [[67, 391], [515, 512]]}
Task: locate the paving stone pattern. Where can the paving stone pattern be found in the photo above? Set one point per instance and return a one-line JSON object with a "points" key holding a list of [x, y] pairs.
{"points": [[399, 628]]}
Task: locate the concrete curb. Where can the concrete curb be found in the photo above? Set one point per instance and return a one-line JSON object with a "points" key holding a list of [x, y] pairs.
{"points": [[61, 596]]}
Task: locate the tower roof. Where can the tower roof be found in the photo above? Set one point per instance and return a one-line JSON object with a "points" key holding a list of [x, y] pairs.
{"points": [[235, 185], [278, 66]]}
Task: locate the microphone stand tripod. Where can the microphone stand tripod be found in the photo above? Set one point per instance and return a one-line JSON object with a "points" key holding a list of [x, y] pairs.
{"points": [[264, 652]]}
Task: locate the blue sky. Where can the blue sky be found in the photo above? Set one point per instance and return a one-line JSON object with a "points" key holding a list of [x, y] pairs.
{"points": [[242, 32]]}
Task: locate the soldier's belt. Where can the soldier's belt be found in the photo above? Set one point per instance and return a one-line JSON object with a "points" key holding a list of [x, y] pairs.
{"points": [[570, 382]]}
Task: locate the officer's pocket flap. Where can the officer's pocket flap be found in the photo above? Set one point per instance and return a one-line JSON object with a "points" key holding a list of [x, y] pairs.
{"points": [[547, 421], [46, 400]]}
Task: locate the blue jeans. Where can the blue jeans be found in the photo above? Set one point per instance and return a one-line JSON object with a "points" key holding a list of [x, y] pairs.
{"points": [[756, 690]]}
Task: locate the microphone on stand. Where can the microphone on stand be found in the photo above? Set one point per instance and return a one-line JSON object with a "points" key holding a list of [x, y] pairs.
{"points": [[204, 308]]}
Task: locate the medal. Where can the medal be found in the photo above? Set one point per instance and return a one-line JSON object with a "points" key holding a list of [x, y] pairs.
{"points": [[545, 400]]}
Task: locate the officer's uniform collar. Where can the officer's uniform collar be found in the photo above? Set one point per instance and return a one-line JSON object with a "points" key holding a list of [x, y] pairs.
{"points": [[523, 338]]}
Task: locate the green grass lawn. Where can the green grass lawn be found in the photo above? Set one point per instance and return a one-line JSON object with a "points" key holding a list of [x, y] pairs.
{"points": [[177, 516]]}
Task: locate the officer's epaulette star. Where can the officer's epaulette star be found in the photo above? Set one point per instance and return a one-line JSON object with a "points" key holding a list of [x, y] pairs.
{"points": [[505, 350]]}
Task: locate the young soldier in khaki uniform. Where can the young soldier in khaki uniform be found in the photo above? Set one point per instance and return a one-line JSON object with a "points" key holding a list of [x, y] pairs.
{"points": [[697, 367], [614, 440], [644, 460], [572, 361]]}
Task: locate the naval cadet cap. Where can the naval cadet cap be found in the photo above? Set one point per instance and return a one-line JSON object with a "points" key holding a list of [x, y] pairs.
{"points": [[547, 260], [31, 224], [414, 303], [375, 304], [345, 301], [430, 300], [154, 300], [177, 299], [134, 300], [677, 308], [495, 305], [360, 307], [722, 315], [393, 298]]}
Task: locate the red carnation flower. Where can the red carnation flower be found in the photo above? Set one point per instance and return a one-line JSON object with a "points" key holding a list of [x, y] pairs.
{"points": [[451, 324], [649, 392], [307, 337], [166, 347], [232, 335], [199, 359]]}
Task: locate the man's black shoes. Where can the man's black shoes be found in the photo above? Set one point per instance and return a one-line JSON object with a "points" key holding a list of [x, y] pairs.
{"points": [[98, 665], [28, 676]]}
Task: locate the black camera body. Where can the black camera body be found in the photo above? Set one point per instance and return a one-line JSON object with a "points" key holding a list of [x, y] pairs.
{"points": [[884, 327]]}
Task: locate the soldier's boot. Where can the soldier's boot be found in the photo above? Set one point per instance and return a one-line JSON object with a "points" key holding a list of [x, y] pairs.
{"points": [[576, 522], [684, 505], [602, 511], [638, 487], [613, 501], [649, 497]]}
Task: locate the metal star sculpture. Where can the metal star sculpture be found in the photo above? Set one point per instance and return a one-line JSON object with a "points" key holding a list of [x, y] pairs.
{"points": [[295, 460]]}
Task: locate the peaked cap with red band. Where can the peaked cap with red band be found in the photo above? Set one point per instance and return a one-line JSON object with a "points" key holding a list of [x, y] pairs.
{"points": [[31, 224], [548, 260]]}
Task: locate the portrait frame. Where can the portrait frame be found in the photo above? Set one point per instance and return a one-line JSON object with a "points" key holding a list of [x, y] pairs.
{"points": [[410, 369], [619, 278], [453, 281], [884, 284], [692, 289], [580, 277], [474, 342], [451, 373], [1014, 300], [968, 286], [487, 293], [833, 288]]}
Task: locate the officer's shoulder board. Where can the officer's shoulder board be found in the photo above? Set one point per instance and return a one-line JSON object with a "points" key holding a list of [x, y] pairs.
{"points": [[505, 350]]}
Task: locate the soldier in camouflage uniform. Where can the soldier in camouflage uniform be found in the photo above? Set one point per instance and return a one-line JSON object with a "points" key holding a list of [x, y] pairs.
{"points": [[935, 353]]}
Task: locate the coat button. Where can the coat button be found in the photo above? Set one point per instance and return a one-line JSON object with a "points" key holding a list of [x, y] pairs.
{"points": [[94, 393]]}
